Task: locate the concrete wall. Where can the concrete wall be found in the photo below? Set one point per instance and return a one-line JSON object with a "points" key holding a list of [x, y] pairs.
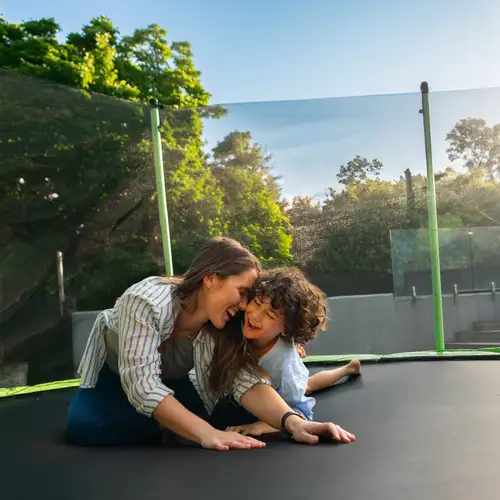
{"points": [[369, 324], [381, 324]]}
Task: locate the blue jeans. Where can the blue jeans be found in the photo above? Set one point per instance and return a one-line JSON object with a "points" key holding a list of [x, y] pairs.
{"points": [[103, 416]]}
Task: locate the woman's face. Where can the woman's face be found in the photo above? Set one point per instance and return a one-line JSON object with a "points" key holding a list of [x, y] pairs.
{"points": [[262, 323], [224, 296]]}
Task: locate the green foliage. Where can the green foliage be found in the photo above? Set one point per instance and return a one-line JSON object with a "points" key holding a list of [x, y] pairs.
{"points": [[108, 272], [476, 145], [86, 41], [77, 169], [194, 200], [252, 213], [350, 232], [32, 48], [358, 170], [59, 164], [135, 67]]}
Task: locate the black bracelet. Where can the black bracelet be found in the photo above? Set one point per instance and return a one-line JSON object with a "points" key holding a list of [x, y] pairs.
{"points": [[283, 421]]}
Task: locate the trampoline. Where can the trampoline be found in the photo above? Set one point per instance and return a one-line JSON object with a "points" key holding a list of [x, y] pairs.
{"points": [[425, 429], [427, 424]]}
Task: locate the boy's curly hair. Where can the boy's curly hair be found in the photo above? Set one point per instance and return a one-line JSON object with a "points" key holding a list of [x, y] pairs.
{"points": [[303, 304]]}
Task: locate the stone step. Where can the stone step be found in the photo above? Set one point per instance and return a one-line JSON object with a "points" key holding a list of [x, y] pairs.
{"points": [[481, 326], [478, 336], [471, 345]]}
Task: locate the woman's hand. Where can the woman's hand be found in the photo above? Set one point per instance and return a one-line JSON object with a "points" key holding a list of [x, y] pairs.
{"points": [[255, 429], [223, 441], [308, 432]]}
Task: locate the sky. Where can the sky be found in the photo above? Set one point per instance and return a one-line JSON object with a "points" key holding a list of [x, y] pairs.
{"points": [[310, 139], [318, 82]]}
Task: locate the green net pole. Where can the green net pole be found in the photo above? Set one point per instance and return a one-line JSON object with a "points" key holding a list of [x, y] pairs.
{"points": [[160, 186], [433, 224]]}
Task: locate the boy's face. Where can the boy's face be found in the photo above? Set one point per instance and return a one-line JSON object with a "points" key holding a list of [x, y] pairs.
{"points": [[262, 322]]}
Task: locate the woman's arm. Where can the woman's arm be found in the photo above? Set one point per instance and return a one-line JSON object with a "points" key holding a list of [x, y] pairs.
{"points": [[139, 364], [139, 361], [174, 416]]}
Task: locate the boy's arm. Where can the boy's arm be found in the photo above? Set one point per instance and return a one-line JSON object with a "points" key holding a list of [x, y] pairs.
{"points": [[293, 394], [267, 405]]}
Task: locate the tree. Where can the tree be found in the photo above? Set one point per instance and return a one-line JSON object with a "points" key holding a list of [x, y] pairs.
{"points": [[306, 219], [238, 151], [195, 200], [32, 48], [76, 169], [253, 213], [94, 176], [357, 221], [86, 41], [58, 173], [359, 169], [476, 145], [161, 70], [135, 67]]}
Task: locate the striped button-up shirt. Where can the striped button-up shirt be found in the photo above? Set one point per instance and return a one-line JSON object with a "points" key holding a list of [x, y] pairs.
{"points": [[130, 337]]}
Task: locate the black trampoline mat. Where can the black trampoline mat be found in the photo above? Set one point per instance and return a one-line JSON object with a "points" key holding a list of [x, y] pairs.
{"points": [[425, 430]]}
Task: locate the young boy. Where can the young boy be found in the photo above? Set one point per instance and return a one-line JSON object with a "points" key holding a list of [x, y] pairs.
{"points": [[284, 313]]}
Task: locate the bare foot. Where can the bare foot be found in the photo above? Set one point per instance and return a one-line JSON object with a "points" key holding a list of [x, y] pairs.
{"points": [[353, 367]]}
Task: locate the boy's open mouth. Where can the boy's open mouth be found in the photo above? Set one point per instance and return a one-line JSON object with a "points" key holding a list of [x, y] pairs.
{"points": [[251, 325]]}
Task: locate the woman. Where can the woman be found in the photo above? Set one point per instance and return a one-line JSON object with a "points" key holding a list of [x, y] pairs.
{"points": [[147, 339]]}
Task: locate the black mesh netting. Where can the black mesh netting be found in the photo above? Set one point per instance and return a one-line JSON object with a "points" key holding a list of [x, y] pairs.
{"points": [[335, 186], [76, 176]]}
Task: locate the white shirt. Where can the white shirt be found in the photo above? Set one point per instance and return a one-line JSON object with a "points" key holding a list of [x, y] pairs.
{"points": [[129, 337], [289, 376]]}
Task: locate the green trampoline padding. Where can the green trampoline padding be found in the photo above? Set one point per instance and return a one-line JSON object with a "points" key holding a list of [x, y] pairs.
{"points": [[29, 389], [404, 356], [491, 352]]}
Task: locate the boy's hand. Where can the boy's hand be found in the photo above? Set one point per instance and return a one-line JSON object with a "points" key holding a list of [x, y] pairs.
{"points": [[256, 429], [309, 432], [301, 351]]}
